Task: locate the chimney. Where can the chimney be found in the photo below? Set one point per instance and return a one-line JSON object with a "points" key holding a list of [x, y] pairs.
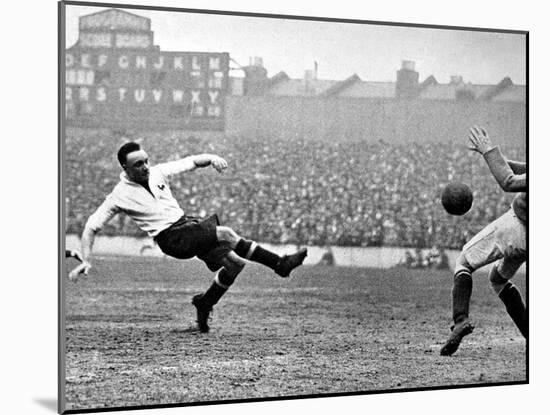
{"points": [[255, 77], [309, 76], [407, 81], [408, 65], [256, 61], [456, 80]]}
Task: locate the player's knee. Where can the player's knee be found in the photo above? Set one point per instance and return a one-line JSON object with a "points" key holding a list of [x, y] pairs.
{"points": [[235, 266], [232, 266], [462, 264], [233, 263], [225, 234], [497, 280], [225, 278]]}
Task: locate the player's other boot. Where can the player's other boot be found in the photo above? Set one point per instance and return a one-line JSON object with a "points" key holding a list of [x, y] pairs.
{"points": [[459, 330], [203, 313], [288, 262]]}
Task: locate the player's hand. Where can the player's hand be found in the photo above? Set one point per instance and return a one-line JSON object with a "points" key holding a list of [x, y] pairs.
{"points": [[218, 163], [82, 268], [479, 138]]}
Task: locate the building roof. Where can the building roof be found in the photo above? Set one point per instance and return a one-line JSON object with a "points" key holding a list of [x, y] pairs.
{"points": [[449, 91], [370, 89], [512, 93], [297, 87], [340, 87], [428, 89]]}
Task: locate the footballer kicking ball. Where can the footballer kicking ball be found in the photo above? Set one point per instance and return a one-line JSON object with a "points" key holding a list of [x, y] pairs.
{"points": [[457, 198]]}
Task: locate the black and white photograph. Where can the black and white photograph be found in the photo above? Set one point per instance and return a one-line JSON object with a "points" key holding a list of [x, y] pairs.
{"points": [[264, 207], [355, 175]]}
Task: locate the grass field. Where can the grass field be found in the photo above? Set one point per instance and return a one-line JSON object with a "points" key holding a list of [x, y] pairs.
{"points": [[324, 330]]}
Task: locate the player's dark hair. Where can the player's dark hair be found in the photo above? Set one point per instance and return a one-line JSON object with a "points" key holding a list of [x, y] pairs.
{"points": [[126, 149]]}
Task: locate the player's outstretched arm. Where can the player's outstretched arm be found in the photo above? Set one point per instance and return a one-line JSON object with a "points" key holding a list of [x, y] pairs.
{"points": [[103, 214], [88, 238], [204, 160], [191, 163], [504, 171], [518, 167]]}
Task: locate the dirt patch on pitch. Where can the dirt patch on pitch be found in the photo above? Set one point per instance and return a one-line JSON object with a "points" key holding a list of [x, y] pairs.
{"points": [[326, 330]]}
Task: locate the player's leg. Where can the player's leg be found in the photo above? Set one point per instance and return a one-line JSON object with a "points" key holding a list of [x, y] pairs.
{"points": [[252, 251], [482, 249], [515, 253], [462, 290], [232, 265], [500, 276], [461, 294]]}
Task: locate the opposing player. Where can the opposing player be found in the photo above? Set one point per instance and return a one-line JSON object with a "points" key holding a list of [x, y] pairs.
{"points": [[144, 194], [503, 240]]}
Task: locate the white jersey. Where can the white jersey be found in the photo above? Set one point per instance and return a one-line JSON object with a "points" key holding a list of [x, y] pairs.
{"points": [[151, 212]]}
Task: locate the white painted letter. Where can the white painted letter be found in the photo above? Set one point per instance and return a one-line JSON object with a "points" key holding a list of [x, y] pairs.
{"points": [[139, 95], [101, 95], [178, 62], [157, 94], [195, 63], [195, 99], [213, 96], [214, 63], [122, 93], [85, 60], [177, 95], [101, 60], [83, 94], [160, 63], [141, 62], [123, 61], [70, 77]]}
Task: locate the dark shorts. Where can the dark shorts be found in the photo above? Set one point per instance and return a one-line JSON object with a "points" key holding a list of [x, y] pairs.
{"points": [[190, 236]]}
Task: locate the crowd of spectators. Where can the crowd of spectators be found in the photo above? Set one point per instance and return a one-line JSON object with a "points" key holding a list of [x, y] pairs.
{"points": [[296, 191]]}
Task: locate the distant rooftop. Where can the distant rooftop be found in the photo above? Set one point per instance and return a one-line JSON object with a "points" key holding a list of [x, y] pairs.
{"points": [[355, 87]]}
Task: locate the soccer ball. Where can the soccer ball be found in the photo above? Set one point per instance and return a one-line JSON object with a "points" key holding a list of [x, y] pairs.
{"points": [[457, 198]]}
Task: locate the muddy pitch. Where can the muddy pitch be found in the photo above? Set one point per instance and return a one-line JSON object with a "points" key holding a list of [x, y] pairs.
{"points": [[325, 330]]}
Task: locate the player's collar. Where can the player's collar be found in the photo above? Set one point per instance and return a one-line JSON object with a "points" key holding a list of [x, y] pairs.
{"points": [[126, 180], [124, 177]]}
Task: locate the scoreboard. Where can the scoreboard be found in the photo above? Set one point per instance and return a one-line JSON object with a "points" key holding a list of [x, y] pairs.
{"points": [[115, 76]]}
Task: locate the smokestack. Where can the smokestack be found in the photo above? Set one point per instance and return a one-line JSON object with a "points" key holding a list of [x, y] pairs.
{"points": [[256, 61], [456, 79], [407, 81], [408, 65], [255, 77], [309, 76]]}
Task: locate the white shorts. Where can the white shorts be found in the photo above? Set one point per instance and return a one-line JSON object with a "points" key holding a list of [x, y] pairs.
{"points": [[503, 239]]}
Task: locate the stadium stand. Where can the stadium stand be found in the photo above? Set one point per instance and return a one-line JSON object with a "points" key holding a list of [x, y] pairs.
{"points": [[300, 191]]}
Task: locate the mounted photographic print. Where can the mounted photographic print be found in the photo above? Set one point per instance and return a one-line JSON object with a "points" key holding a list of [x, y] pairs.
{"points": [[258, 207]]}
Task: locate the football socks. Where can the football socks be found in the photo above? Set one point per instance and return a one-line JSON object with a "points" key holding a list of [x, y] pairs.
{"points": [[254, 252], [213, 294], [462, 291], [511, 297]]}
